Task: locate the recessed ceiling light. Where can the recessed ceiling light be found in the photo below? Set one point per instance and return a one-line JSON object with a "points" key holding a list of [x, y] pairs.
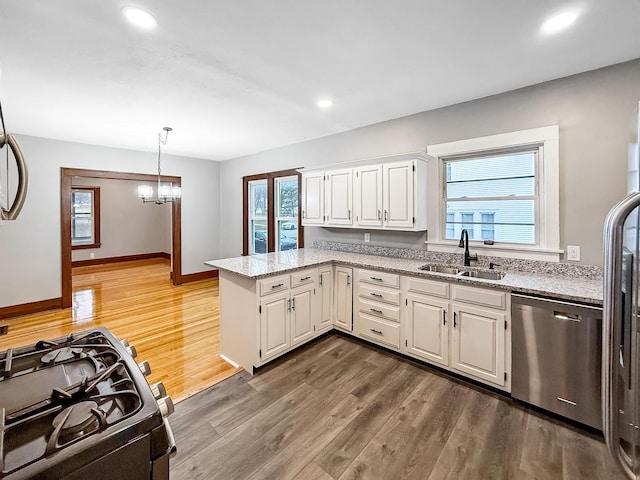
{"points": [[558, 22], [139, 18], [324, 103]]}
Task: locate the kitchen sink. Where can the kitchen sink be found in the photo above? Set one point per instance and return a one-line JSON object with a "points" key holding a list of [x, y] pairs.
{"points": [[440, 269], [484, 275]]}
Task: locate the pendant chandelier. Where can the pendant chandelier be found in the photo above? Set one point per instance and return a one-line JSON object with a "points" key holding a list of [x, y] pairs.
{"points": [[165, 193]]}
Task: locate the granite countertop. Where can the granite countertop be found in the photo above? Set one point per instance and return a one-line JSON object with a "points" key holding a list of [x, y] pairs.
{"points": [[556, 286]]}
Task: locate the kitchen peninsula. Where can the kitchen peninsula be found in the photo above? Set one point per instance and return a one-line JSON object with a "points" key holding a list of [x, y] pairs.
{"points": [[272, 303]]}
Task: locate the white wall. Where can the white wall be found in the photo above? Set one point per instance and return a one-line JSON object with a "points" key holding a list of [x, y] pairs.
{"points": [[30, 246], [127, 225], [594, 111]]}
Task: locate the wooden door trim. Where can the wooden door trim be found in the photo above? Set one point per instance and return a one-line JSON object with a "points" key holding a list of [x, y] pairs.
{"points": [[66, 178], [270, 178]]}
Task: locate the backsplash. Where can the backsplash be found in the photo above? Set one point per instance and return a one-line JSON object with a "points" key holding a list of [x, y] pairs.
{"points": [[575, 270]]}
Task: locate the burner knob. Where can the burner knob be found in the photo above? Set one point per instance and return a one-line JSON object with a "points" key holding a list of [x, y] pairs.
{"points": [[124, 342], [158, 390], [145, 367], [131, 350], [166, 406]]}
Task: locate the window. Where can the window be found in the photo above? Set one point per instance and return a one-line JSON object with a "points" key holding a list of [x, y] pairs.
{"points": [[501, 182], [487, 226], [503, 189], [286, 212], [85, 217], [272, 212]]}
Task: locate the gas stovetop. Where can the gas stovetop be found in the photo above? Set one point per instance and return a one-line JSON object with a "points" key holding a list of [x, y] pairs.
{"points": [[70, 400]]}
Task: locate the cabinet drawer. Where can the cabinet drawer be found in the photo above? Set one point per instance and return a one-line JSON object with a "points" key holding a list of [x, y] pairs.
{"points": [[302, 278], [379, 294], [379, 278], [479, 296], [379, 331], [273, 285], [379, 309], [428, 287]]}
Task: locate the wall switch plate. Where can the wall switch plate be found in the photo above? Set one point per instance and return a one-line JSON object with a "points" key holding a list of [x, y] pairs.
{"points": [[573, 253], [367, 237]]}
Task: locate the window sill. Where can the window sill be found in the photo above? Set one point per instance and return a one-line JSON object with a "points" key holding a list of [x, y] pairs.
{"points": [[83, 246], [505, 251]]}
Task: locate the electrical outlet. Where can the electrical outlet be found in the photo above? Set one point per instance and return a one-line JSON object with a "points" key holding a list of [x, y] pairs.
{"points": [[367, 237], [573, 253], [92, 255]]}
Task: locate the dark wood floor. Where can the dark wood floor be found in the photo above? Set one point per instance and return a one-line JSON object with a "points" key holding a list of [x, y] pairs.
{"points": [[339, 409]]}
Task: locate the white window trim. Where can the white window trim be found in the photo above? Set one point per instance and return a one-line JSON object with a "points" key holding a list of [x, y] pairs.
{"points": [[547, 216]]}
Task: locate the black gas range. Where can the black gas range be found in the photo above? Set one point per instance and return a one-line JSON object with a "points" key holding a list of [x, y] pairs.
{"points": [[80, 407]]}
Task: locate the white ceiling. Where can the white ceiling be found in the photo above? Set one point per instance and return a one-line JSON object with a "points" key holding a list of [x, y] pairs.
{"points": [[242, 76]]}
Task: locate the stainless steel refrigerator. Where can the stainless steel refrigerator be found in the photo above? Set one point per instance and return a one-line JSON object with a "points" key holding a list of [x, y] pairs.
{"points": [[620, 323]]}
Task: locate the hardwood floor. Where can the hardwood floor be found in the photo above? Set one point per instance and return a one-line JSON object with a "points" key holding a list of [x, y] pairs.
{"points": [[177, 329], [340, 409]]}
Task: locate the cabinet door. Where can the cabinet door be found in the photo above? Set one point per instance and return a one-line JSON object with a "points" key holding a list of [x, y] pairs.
{"points": [[368, 196], [313, 198], [427, 329], [398, 195], [274, 325], [324, 311], [478, 343], [301, 315], [338, 200], [344, 298]]}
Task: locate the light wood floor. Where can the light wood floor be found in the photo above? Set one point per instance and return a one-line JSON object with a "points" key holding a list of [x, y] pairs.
{"points": [[176, 329], [339, 409]]}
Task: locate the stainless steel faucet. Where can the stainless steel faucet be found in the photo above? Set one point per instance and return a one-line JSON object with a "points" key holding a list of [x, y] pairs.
{"points": [[464, 243]]}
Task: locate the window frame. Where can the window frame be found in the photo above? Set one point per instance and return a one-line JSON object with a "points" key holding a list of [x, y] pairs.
{"points": [[95, 216], [271, 204], [547, 220]]}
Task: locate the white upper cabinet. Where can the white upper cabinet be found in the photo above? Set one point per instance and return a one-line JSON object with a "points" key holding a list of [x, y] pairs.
{"points": [[398, 195], [338, 197], [368, 196], [388, 194], [313, 198]]}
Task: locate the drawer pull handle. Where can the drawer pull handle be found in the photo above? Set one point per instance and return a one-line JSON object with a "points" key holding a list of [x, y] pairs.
{"points": [[377, 332], [569, 402], [304, 278], [376, 295], [278, 285], [376, 311], [377, 279]]}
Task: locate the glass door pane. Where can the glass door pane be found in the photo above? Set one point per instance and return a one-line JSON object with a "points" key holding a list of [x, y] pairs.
{"points": [[258, 232], [286, 218]]}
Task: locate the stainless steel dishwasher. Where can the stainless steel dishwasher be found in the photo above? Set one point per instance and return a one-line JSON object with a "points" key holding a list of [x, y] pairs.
{"points": [[556, 357]]}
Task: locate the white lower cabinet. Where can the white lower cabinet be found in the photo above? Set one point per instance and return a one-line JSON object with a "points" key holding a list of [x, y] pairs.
{"points": [[478, 343], [301, 313], [426, 328], [274, 325], [461, 328], [456, 326], [344, 298], [289, 315], [324, 309]]}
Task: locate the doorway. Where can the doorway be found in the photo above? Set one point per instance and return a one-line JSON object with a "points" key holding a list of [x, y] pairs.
{"points": [[66, 180]]}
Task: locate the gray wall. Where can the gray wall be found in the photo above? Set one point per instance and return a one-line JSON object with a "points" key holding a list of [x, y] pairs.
{"points": [[594, 111], [127, 226], [30, 246]]}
